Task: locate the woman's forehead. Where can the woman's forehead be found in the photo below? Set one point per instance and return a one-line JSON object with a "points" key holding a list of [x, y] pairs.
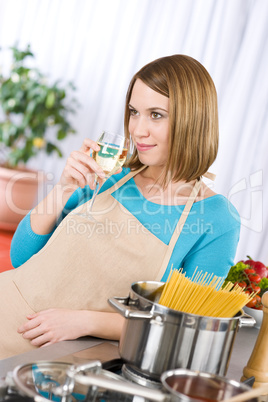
{"points": [[145, 96]]}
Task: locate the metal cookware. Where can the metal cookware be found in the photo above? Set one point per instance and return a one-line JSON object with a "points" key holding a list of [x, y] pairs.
{"points": [[43, 381], [178, 385], [156, 338]]}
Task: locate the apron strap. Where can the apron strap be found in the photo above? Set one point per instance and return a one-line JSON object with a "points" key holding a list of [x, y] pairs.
{"points": [[133, 173], [179, 227], [182, 220], [122, 181], [210, 176]]}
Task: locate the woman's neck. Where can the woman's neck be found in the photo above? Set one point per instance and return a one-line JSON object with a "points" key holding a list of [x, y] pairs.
{"points": [[155, 173], [150, 183]]}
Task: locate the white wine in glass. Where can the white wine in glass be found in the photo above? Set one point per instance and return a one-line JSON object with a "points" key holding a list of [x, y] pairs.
{"points": [[111, 156]]}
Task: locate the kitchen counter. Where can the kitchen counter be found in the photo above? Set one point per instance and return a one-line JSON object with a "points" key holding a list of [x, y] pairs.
{"points": [[85, 349], [243, 347]]}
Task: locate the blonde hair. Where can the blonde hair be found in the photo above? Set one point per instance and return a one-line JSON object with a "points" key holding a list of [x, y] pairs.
{"points": [[193, 115]]}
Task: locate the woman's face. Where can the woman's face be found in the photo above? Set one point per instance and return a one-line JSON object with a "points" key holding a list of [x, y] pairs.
{"points": [[149, 124]]}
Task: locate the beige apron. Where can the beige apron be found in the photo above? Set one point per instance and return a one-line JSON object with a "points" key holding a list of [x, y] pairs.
{"points": [[84, 263]]}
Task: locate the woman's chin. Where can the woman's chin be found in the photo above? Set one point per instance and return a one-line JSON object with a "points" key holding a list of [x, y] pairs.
{"points": [[150, 161]]}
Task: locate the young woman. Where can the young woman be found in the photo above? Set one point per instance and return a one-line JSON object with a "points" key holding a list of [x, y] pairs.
{"points": [[154, 214]]}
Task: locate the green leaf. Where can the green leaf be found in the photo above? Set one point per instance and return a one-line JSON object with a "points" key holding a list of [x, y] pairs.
{"points": [[31, 107], [235, 273], [50, 100], [61, 134], [51, 148], [263, 284], [19, 55]]}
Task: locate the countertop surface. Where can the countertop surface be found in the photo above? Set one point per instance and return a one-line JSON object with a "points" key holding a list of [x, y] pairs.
{"points": [[88, 348]]}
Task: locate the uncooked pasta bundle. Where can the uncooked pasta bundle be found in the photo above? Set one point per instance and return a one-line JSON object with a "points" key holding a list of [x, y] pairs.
{"points": [[203, 294]]}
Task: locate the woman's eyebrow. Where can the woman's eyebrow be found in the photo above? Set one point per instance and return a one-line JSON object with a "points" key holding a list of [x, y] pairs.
{"points": [[151, 108], [157, 108]]}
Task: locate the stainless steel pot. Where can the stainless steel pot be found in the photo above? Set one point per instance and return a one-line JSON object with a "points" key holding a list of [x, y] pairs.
{"points": [[45, 381], [178, 385], [192, 386], [156, 339]]}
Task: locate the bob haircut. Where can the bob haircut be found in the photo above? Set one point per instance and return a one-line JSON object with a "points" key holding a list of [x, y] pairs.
{"points": [[193, 115]]}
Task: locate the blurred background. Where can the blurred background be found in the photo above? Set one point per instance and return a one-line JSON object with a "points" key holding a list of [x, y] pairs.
{"points": [[100, 44]]}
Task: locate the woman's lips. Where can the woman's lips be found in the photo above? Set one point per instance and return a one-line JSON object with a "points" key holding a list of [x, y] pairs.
{"points": [[144, 147]]}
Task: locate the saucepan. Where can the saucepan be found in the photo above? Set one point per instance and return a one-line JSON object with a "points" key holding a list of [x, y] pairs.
{"points": [[156, 338], [43, 381], [178, 385]]}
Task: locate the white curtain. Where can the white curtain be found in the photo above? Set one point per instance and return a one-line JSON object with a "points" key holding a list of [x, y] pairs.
{"points": [[100, 44]]}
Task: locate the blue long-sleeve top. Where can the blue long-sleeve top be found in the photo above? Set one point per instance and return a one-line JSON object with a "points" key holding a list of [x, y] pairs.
{"points": [[208, 240]]}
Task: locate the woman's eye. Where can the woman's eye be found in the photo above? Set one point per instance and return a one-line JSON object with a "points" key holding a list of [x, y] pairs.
{"points": [[156, 115], [133, 112]]}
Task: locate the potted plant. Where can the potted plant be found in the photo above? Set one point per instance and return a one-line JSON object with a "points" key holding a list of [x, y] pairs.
{"points": [[33, 119]]}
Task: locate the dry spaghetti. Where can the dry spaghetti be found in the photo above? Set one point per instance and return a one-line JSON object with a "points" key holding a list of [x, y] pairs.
{"points": [[203, 294]]}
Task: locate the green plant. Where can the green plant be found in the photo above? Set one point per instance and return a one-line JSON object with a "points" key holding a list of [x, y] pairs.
{"points": [[33, 114]]}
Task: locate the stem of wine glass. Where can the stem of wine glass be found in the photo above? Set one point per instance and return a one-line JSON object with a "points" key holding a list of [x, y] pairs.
{"points": [[95, 193]]}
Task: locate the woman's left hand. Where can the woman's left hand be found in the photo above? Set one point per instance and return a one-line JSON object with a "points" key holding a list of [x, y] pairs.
{"points": [[54, 325]]}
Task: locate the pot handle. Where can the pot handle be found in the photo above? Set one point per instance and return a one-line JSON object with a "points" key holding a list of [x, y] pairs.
{"points": [[246, 321], [91, 379], [121, 305]]}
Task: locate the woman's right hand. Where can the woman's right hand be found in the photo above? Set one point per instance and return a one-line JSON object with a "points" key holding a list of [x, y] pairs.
{"points": [[80, 168]]}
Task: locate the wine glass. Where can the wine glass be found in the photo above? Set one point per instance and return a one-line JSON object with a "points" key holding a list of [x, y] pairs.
{"points": [[111, 157]]}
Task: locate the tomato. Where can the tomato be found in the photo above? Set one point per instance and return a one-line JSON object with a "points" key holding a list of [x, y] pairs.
{"points": [[249, 271], [248, 292], [254, 278], [257, 278], [242, 284], [258, 303], [255, 288], [252, 302]]}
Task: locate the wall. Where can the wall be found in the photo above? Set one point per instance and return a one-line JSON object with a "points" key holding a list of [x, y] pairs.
{"points": [[100, 44]]}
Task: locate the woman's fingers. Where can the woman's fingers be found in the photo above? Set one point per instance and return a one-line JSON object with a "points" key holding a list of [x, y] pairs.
{"points": [[85, 162], [89, 144], [50, 326], [29, 325], [79, 172], [81, 168], [35, 326], [39, 336], [42, 340]]}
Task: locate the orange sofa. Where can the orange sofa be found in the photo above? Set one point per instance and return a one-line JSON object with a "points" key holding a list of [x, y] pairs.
{"points": [[5, 241]]}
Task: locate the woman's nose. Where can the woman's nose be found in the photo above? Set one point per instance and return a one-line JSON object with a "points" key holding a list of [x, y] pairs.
{"points": [[141, 128]]}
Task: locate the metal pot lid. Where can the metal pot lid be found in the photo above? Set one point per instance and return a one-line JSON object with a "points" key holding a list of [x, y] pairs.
{"points": [[39, 380], [45, 381]]}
